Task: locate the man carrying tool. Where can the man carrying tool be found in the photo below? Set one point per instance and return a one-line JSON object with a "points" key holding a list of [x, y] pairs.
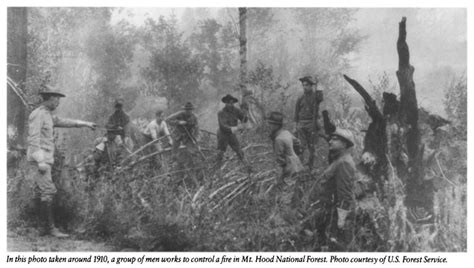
{"points": [[228, 119], [116, 142], [157, 129], [40, 154], [187, 129], [306, 117], [335, 192]]}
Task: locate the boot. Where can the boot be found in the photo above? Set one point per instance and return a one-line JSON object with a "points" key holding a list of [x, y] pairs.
{"points": [[48, 227]]}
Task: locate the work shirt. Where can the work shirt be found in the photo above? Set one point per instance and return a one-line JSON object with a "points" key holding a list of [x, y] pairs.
{"points": [[284, 153], [307, 106], [338, 179], [155, 130], [41, 123], [229, 117], [190, 127], [119, 119]]}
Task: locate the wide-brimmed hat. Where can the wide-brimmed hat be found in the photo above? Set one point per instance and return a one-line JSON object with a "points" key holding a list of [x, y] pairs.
{"points": [[51, 91], [229, 99], [309, 79], [345, 135], [275, 118], [188, 106]]}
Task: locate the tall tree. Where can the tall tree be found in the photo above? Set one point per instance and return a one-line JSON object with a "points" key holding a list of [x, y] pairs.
{"points": [[17, 63], [243, 48]]}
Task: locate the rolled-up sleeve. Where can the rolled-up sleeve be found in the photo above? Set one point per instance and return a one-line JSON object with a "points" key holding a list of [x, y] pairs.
{"points": [[165, 128]]}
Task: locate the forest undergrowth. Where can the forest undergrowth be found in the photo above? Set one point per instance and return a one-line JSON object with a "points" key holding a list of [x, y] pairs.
{"points": [[200, 206]]}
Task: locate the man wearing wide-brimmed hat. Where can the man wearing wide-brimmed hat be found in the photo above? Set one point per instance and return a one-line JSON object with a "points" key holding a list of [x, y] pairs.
{"points": [[335, 190], [283, 146], [40, 154], [288, 185], [306, 116], [187, 128], [228, 119]]}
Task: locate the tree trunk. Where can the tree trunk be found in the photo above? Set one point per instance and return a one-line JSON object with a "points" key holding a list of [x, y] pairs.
{"points": [[374, 160], [243, 48], [418, 193], [17, 62]]}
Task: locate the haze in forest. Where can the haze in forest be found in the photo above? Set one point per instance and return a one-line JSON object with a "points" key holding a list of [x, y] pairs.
{"points": [[437, 39]]}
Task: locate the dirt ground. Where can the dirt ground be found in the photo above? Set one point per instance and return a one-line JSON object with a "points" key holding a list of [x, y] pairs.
{"points": [[28, 240]]}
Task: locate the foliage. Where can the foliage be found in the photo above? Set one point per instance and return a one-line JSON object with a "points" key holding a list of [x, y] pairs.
{"points": [[456, 104], [196, 205], [269, 89], [172, 63], [215, 51], [380, 85]]}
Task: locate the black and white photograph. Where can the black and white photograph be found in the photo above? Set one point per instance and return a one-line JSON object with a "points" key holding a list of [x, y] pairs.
{"points": [[236, 129]]}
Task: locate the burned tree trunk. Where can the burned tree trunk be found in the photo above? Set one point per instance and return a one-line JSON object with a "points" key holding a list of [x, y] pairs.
{"points": [[374, 158], [418, 192]]}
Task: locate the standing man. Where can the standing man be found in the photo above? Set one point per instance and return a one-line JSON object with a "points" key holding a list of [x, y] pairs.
{"points": [[186, 127], [306, 116], [118, 121], [336, 191], [228, 119], [118, 140], [158, 129], [40, 154]]}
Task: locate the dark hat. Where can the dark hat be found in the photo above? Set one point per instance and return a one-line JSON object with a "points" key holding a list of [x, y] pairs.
{"points": [[229, 99], [188, 106], [275, 118], [119, 102], [51, 91], [309, 79]]}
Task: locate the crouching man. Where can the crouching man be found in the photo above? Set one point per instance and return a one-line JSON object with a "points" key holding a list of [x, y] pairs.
{"points": [[289, 182], [40, 154]]}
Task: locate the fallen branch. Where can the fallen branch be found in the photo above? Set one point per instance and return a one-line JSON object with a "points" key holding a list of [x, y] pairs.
{"points": [[174, 172], [442, 173], [141, 149], [141, 159], [208, 132]]}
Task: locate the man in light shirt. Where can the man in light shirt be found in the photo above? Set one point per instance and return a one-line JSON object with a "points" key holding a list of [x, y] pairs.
{"points": [[40, 155], [158, 129]]}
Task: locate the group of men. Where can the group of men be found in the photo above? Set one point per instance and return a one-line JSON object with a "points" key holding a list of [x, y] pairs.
{"points": [[332, 193], [335, 190]]}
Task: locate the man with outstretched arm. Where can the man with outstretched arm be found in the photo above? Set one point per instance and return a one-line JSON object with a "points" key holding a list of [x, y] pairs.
{"points": [[40, 154]]}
